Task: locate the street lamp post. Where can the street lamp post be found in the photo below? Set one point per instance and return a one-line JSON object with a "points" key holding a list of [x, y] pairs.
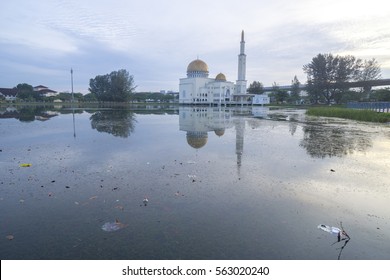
{"points": [[71, 78]]}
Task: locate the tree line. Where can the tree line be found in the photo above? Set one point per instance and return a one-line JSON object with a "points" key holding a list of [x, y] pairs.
{"points": [[117, 86], [328, 76], [327, 82]]}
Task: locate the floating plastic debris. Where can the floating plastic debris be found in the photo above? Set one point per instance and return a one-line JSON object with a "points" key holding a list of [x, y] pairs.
{"points": [[342, 236], [113, 226], [332, 230], [191, 162], [340, 233], [25, 165], [193, 177], [145, 201], [10, 237]]}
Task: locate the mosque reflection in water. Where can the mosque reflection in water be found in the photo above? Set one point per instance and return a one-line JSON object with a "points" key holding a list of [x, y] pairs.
{"points": [[198, 122]]}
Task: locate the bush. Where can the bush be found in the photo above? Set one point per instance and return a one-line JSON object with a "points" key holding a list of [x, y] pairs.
{"points": [[353, 114]]}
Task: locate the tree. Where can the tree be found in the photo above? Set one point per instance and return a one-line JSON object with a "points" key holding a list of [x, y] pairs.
{"points": [[327, 76], [116, 86], [279, 94], [256, 88], [25, 91], [369, 70], [295, 89], [381, 94]]}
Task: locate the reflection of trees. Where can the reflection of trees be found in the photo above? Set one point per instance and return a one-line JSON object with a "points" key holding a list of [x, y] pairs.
{"points": [[28, 113], [116, 122], [321, 141]]}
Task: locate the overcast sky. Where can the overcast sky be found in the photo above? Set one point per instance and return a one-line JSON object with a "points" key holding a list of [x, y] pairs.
{"points": [[40, 41]]}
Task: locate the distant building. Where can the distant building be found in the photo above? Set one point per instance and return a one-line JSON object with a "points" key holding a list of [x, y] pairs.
{"points": [[45, 91], [260, 99], [9, 93], [198, 88]]}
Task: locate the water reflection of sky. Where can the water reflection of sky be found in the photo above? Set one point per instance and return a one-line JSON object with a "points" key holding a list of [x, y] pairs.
{"points": [[228, 183]]}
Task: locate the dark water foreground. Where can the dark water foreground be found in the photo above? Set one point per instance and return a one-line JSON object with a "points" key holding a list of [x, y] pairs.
{"points": [[219, 184]]}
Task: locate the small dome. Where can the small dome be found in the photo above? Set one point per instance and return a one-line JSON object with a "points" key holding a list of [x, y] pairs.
{"points": [[196, 139], [220, 77], [197, 66], [219, 132]]}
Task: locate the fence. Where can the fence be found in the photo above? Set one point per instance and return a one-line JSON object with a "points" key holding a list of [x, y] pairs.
{"points": [[375, 106]]}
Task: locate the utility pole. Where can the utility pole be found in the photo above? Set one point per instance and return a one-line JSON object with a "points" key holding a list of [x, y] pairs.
{"points": [[74, 122], [71, 78]]}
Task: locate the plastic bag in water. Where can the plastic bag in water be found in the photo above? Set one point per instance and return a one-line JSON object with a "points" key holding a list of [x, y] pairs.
{"points": [[332, 230], [113, 226]]}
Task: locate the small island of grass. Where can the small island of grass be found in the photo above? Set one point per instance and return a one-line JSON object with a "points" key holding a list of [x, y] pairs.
{"points": [[352, 114]]}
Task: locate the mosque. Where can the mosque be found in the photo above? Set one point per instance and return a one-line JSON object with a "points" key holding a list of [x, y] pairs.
{"points": [[198, 88]]}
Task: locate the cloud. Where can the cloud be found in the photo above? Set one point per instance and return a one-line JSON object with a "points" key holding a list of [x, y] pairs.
{"points": [[156, 40]]}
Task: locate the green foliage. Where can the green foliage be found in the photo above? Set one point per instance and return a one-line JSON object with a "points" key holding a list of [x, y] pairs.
{"points": [[256, 88], [89, 97], [353, 114], [327, 76], [116, 86], [295, 90], [369, 70], [381, 95], [278, 94], [25, 92], [67, 96]]}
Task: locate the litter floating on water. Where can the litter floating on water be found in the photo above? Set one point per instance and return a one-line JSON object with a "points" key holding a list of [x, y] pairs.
{"points": [[10, 237], [332, 230], [25, 165], [340, 233], [145, 201], [113, 226], [178, 194]]}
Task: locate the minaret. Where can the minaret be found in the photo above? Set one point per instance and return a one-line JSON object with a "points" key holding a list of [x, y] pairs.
{"points": [[241, 82]]}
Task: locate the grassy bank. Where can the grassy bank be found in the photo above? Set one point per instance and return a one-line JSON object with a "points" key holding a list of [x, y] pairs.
{"points": [[352, 114]]}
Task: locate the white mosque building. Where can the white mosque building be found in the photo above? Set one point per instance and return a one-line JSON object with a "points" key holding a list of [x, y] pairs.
{"points": [[198, 88]]}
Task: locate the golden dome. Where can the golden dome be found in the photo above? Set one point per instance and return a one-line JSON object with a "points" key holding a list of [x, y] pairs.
{"points": [[197, 66], [220, 77], [196, 139], [219, 132]]}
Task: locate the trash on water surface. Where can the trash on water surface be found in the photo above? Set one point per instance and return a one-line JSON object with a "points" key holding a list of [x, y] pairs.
{"points": [[25, 165], [341, 234], [145, 201], [10, 237], [113, 226], [332, 230]]}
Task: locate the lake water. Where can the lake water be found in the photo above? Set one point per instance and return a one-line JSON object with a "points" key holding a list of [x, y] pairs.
{"points": [[220, 183]]}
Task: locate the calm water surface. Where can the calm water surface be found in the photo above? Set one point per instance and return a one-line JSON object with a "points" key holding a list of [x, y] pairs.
{"points": [[233, 183]]}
